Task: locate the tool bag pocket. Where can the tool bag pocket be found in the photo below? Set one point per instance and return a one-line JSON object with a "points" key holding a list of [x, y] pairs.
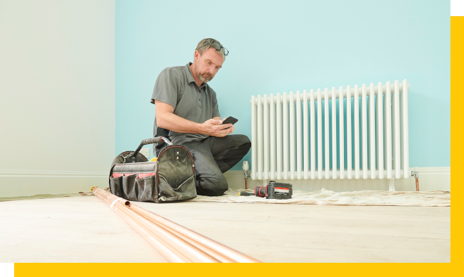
{"points": [[129, 188], [146, 189], [116, 185], [176, 174], [184, 191]]}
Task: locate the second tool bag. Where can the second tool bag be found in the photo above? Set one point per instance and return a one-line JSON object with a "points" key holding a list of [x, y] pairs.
{"points": [[170, 178]]}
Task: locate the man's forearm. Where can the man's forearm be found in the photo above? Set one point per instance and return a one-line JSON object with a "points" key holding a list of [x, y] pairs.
{"points": [[178, 124]]}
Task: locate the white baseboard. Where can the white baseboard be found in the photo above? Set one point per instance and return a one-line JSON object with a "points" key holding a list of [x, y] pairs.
{"points": [[430, 178], [32, 182]]}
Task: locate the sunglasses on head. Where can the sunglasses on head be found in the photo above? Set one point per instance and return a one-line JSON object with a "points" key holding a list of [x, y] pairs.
{"points": [[216, 46]]}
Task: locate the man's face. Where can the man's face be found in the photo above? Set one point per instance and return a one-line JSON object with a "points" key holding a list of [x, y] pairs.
{"points": [[208, 64]]}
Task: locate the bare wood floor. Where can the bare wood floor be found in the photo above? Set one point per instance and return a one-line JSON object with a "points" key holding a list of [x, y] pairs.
{"points": [[83, 229]]}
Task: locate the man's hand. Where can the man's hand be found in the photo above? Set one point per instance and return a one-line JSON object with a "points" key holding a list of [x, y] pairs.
{"points": [[214, 127], [231, 128]]}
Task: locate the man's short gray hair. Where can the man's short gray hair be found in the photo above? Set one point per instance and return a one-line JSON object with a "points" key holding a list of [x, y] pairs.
{"points": [[208, 43]]}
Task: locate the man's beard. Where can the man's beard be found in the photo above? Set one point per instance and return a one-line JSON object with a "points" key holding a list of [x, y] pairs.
{"points": [[204, 77]]}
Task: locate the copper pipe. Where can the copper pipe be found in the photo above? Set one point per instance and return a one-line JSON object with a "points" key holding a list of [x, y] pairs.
{"points": [[175, 242], [246, 184], [213, 248], [167, 244], [199, 245], [417, 183], [166, 251]]}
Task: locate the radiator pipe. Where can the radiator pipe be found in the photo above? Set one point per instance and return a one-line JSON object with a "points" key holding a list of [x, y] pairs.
{"points": [[176, 243], [415, 174]]}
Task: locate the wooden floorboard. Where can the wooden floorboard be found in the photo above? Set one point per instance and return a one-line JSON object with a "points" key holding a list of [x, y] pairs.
{"points": [[83, 229]]}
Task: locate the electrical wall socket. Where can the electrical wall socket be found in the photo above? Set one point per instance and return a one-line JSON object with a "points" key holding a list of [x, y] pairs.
{"points": [[146, 152]]}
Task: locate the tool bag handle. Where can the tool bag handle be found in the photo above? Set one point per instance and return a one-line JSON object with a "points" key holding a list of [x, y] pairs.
{"points": [[155, 140], [148, 141]]}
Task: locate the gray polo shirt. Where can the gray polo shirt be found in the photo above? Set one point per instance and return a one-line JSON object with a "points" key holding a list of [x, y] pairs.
{"points": [[177, 87]]}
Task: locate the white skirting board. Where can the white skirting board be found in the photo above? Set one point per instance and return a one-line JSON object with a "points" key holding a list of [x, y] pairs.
{"points": [[31, 182], [24, 183], [430, 178]]}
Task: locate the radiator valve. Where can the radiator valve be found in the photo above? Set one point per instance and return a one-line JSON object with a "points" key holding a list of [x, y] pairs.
{"points": [[246, 170], [246, 173]]}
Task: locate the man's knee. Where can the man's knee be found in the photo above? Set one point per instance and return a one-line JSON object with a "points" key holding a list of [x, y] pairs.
{"points": [[242, 141], [214, 185], [242, 144]]}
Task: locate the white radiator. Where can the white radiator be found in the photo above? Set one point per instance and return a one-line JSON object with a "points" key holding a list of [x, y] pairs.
{"points": [[345, 133]]}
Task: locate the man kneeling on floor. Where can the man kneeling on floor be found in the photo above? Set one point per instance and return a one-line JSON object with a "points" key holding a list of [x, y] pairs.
{"points": [[187, 112]]}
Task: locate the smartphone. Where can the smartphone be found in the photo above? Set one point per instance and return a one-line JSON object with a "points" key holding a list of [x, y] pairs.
{"points": [[230, 120]]}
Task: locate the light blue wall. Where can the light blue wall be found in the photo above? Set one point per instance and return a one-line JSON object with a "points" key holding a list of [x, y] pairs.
{"points": [[282, 46]]}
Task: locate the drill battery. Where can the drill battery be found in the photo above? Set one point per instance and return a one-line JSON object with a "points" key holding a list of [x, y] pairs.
{"points": [[273, 190]]}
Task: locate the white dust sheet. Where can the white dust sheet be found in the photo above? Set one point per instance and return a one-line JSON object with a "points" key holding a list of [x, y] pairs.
{"points": [[436, 198]]}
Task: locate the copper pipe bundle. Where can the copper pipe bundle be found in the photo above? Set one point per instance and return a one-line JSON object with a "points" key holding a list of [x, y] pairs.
{"points": [[176, 243]]}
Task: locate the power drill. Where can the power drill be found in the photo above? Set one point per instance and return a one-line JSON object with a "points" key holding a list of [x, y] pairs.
{"points": [[273, 190]]}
